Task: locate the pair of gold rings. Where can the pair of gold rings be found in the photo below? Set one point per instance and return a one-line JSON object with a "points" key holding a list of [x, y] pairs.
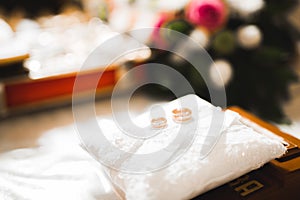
{"points": [[178, 115]]}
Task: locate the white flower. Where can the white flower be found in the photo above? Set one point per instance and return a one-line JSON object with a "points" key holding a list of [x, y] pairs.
{"points": [[245, 7], [200, 37], [220, 73], [249, 36], [6, 31], [171, 4]]}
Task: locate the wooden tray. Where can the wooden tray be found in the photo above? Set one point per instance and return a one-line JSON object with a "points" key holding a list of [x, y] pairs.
{"points": [[15, 59]]}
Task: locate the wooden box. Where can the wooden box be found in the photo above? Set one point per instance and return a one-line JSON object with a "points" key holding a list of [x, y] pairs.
{"points": [[279, 179]]}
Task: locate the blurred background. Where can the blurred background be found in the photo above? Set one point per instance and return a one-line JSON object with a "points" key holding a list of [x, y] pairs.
{"points": [[254, 45]]}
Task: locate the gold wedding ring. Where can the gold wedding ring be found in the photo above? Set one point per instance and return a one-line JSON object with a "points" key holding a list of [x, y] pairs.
{"points": [[182, 115], [159, 123]]}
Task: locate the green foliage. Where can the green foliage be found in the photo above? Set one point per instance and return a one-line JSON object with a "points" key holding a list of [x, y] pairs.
{"points": [[261, 75]]}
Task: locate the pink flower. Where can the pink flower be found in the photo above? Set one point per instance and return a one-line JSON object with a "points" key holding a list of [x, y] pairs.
{"points": [[163, 17], [156, 37], [208, 13]]}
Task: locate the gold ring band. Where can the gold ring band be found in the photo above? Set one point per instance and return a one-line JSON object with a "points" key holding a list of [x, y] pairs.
{"points": [[182, 115], [159, 123]]}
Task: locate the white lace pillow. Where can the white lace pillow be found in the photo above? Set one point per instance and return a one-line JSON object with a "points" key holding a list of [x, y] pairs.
{"points": [[238, 150]]}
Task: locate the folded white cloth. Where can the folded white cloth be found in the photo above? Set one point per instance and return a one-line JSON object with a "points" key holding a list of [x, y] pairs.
{"points": [[58, 169]]}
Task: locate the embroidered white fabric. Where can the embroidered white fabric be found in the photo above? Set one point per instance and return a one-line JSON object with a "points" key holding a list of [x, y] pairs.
{"points": [[239, 150], [60, 169]]}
